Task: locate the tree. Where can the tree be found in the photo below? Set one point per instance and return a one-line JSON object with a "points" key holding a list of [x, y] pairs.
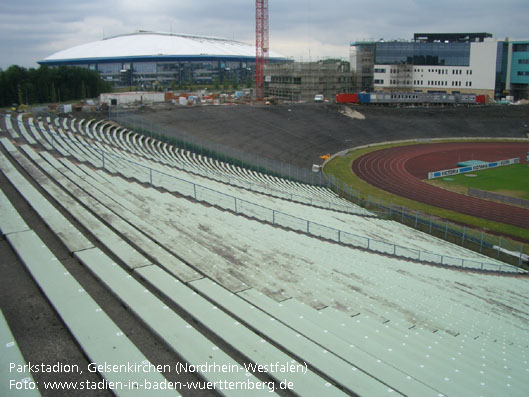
{"points": [[41, 85], [83, 90], [53, 94], [19, 94]]}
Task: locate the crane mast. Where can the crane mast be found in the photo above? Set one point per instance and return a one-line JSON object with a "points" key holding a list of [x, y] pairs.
{"points": [[261, 45]]}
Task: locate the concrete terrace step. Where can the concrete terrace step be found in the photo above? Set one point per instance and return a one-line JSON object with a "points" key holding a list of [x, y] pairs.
{"points": [[331, 232], [10, 355], [24, 131], [12, 222], [178, 334], [342, 373], [325, 335], [65, 229], [408, 369], [9, 127], [70, 236], [130, 207], [111, 211], [99, 337], [247, 342]]}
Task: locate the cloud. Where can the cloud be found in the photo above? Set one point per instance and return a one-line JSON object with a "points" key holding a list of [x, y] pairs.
{"points": [[34, 29]]}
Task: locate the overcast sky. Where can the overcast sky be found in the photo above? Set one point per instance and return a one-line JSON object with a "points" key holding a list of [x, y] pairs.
{"points": [[31, 30]]}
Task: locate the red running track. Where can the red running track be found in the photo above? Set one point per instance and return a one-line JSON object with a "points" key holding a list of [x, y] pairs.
{"points": [[398, 170]]}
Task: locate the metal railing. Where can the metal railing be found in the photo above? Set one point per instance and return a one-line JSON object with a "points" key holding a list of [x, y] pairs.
{"points": [[493, 246], [498, 197], [497, 247], [156, 178]]}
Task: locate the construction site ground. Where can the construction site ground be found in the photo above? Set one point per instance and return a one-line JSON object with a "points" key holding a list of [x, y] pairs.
{"points": [[300, 133]]}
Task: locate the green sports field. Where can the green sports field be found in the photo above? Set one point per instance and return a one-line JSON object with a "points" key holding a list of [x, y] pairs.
{"points": [[512, 180]]}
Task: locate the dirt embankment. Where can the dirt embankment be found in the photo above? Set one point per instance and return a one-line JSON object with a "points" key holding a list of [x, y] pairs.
{"points": [[300, 133]]}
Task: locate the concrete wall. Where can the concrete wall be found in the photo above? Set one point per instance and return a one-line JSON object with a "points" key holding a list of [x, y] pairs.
{"points": [[124, 98], [483, 64]]}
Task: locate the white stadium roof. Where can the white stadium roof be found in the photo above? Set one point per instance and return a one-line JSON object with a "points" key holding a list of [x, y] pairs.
{"points": [[144, 44]]}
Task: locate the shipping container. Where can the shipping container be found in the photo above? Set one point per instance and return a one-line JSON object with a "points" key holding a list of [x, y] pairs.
{"points": [[363, 98], [346, 98], [482, 99]]}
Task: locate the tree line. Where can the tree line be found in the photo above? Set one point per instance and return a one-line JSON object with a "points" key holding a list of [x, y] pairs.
{"points": [[65, 83]]}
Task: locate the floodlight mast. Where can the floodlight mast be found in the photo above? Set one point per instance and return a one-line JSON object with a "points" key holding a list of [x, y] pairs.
{"points": [[261, 45]]}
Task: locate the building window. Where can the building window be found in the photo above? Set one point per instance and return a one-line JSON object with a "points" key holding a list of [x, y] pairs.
{"points": [[379, 81], [109, 68], [520, 48], [380, 70], [144, 67], [523, 61], [523, 73]]}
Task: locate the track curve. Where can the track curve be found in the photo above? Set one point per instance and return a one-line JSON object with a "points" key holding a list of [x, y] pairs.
{"points": [[398, 170]]}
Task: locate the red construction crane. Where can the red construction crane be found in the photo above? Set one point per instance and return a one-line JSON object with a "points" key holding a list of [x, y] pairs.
{"points": [[261, 45]]}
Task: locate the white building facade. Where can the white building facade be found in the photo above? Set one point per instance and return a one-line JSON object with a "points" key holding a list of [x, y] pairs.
{"points": [[437, 63], [478, 77]]}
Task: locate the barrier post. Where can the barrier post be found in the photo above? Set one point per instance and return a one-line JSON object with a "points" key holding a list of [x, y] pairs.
{"points": [[416, 218], [431, 219], [481, 243], [521, 250], [463, 236], [499, 247], [150, 175]]}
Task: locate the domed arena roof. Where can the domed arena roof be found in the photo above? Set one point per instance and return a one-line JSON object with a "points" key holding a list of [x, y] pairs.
{"points": [[144, 45]]}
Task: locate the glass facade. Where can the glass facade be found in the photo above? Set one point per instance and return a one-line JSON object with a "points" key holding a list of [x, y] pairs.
{"points": [[501, 68], [520, 63], [145, 67], [165, 72], [522, 47], [431, 54], [109, 68]]}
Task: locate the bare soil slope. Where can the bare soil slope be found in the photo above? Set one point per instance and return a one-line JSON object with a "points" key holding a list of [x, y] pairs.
{"points": [[300, 133]]}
